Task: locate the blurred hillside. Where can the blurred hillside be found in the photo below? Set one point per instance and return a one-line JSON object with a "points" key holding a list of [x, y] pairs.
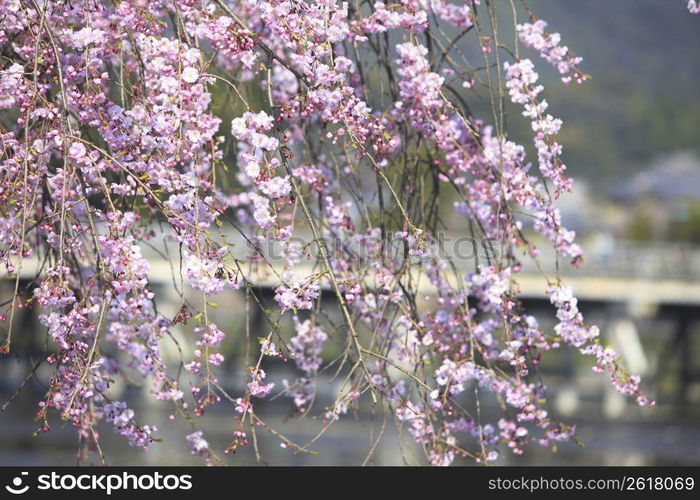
{"points": [[644, 97]]}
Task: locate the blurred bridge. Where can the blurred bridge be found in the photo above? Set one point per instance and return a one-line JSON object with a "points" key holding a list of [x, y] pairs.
{"points": [[638, 293], [613, 270]]}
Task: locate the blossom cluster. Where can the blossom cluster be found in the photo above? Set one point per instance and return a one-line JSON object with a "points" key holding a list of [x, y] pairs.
{"points": [[523, 89], [305, 347], [548, 45], [114, 154]]}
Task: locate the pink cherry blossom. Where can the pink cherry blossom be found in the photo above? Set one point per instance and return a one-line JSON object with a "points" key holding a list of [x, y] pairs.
{"points": [[295, 159]]}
